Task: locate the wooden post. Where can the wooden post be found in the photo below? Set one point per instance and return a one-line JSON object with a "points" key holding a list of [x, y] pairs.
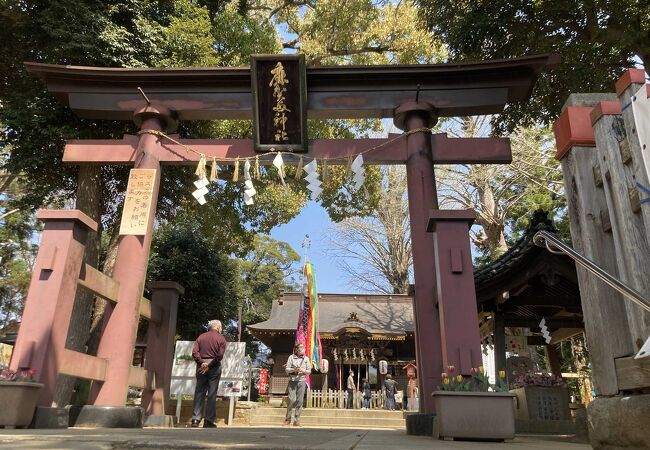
{"points": [[626, 88], [120, 325], [40, 343], [602, 307], [553, 360], [160, 346], [422, 197], [628, 228], [499, 342]]}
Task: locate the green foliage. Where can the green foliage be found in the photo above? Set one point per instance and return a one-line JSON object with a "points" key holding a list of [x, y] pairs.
{"points": [[16, 258], [271, 266], [596, 40], [183, 254], [238, 36]]}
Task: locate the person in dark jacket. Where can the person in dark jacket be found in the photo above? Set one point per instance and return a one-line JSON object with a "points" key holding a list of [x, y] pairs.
{"points": [[351, 390], [207, 351], [391, 389], [366, 393]]}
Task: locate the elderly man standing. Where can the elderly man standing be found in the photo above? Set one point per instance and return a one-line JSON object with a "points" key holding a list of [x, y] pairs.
{"points": [[208, 351], [298, 367]]}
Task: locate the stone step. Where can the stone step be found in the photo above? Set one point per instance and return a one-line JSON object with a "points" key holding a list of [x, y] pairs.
{"points": [[347, 413], [331, 418], [333, 422]]}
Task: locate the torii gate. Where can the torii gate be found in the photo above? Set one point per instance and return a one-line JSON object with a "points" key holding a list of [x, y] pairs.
{"points": [[447, 331]]}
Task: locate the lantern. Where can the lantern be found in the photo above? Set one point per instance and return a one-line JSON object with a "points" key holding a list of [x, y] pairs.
{"points": [[383, 367], [411, 370], [324, 365]]}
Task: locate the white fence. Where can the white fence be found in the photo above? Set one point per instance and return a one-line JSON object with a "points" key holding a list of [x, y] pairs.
{"points": [[338, 399]]}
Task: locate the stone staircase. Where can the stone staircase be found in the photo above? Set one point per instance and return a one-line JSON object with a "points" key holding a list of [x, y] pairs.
{"points": [[334, 418]]}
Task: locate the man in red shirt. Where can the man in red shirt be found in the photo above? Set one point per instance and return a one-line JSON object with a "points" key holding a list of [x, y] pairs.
{"points": [[207, 351]]}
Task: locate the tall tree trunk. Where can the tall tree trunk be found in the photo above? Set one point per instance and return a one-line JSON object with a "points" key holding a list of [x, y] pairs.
{"points": [[645, 58], [100, 304], [89, 192], [495, 241]]}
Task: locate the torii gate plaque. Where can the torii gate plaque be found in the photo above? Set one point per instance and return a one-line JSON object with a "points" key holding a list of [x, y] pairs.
{"points": [[413, 95]]}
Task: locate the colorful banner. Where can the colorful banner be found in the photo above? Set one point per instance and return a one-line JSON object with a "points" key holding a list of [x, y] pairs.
{"points": [[263, 381], [308, 332]]}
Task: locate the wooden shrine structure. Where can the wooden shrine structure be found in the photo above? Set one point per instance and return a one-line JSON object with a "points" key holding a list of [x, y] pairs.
{"points": [[523, 286], [414, 96]]}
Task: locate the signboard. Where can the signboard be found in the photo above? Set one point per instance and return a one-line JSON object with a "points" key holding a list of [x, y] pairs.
{"points": [[233, 369], [279, 90], [137, 203], [230, 388], [183, 370]]}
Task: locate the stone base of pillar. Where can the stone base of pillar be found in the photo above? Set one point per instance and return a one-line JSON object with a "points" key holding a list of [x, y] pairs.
{"points": [[46, 417], [106, 416], [620, 422], [420, 424], [157, 421], [545, 426]]}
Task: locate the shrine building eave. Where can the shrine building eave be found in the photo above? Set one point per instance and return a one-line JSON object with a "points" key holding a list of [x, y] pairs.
{"points": [[378, 317], [343, 92]]}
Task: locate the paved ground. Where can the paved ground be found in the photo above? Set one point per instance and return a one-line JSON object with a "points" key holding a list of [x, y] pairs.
{"points": [[258, 438]]}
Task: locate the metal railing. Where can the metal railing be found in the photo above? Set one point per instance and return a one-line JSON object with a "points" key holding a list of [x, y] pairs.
{"points": [[554, 245]]}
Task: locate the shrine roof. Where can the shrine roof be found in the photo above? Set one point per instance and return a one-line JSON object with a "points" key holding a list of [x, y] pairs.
{"points": [[536, 282], [333, 91], [376, 314]]}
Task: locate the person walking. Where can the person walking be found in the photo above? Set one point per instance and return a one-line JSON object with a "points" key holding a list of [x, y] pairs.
{"points": [[207, 351], [366, 393], [298, 367], [351, 390], [391, 389]]}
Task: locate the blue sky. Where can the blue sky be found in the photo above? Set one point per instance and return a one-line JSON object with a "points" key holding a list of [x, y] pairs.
{"points": [[314, 221]]}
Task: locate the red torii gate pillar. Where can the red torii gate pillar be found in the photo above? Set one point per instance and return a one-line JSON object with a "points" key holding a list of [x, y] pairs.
{"points": [[446, 317], [121, 321]]}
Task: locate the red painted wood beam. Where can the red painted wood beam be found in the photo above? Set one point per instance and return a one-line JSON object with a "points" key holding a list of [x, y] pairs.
{"points": [[573, 127], [392, 151]]}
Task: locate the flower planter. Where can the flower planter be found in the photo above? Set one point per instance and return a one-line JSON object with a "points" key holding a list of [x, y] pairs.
{"points": [[19, 402], [475, 415], [542, 403]]}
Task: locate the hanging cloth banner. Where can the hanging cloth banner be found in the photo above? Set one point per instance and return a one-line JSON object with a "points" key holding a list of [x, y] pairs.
{"points": [[308, 331]]}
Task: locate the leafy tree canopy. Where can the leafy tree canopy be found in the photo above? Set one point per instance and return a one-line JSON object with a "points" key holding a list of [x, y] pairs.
{"points": [[182, 253], [597, 40]]}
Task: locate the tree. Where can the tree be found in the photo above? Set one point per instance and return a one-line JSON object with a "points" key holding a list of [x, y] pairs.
{"points": [[503, 195], [181, 252], [17, 255], [352, 31], [597, 40], [269, 268], [375, 251]]}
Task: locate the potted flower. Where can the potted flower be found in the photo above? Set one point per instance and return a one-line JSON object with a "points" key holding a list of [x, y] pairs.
{"points": [[541, 397], [472, 408], [18, 393]]}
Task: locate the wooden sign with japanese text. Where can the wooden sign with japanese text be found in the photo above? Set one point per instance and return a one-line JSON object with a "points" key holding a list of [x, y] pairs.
{"points": [[137, 203], [279, 103]]}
